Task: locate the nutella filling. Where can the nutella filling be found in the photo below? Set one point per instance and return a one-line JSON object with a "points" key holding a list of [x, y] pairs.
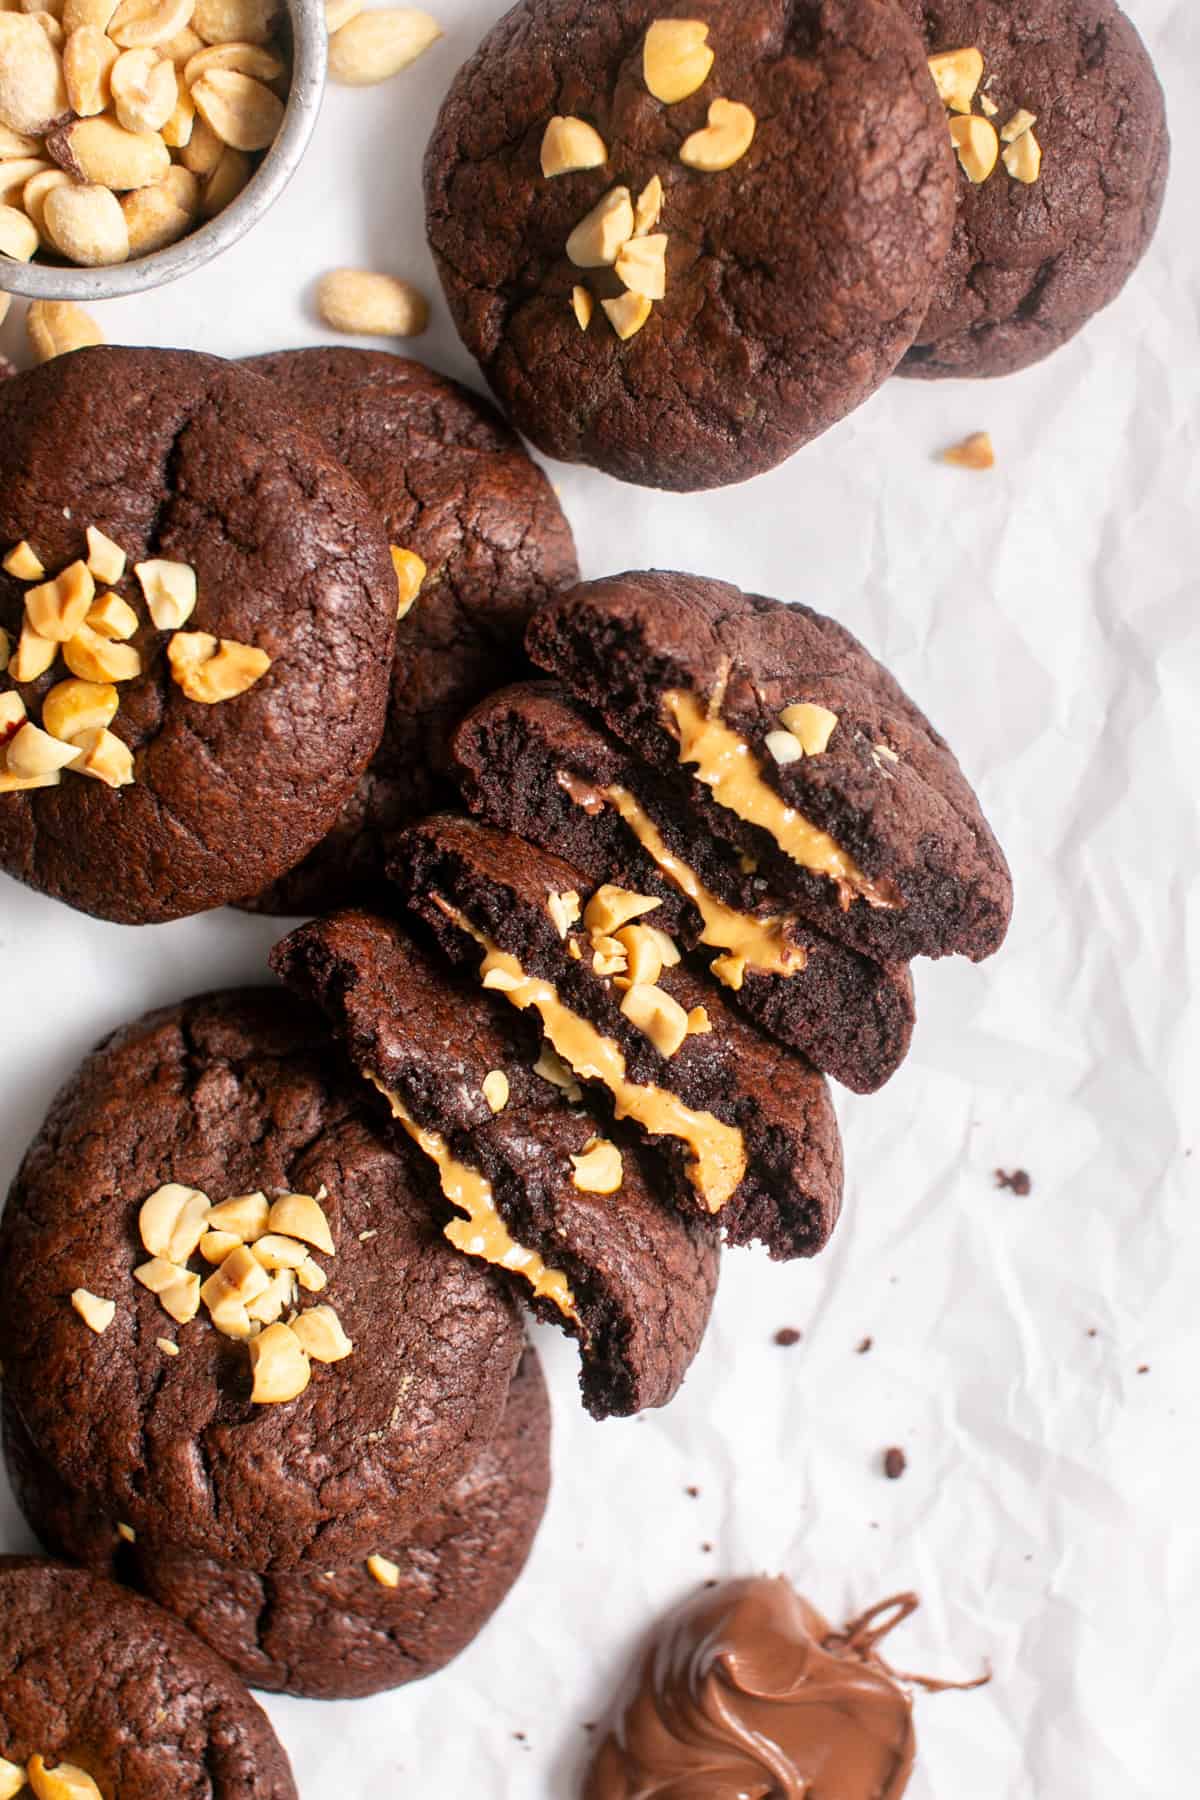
{"points": [[483, 1232], [726, 765], [748, 1691], [754, 942], [718, 1150]]}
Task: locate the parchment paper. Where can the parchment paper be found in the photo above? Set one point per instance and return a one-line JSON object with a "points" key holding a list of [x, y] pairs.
{"points": [[1046, 614]]}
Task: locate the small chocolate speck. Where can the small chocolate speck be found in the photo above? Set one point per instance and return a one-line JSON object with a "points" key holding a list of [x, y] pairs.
{"points": [[520, 1736], [1018, 1182], [1093, 1331], [707, 1549], [865, 1345], [589, 1724], [788, 1336], [693, 1493], [894, 1463], [1143, 1368]]}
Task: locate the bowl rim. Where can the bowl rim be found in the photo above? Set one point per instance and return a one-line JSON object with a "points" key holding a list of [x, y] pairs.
{"points": [[310, 55]]}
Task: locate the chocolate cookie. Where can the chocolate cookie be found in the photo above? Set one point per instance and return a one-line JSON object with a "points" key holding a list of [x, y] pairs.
{"points": [[745, 1128], [135, 1381], [339, 1633], [457, 490], [208, 767], [533, 763], [96, 1678], [775, 195], [1057, 227], [804, 752], [593, 1248]]}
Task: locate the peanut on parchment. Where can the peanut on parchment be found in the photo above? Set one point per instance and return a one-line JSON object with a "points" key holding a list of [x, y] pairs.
{"points": [[368, 304], [375, 45]]}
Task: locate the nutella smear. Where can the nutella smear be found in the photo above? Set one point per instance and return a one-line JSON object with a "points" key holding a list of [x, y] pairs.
{"points": [[749, 1694]]}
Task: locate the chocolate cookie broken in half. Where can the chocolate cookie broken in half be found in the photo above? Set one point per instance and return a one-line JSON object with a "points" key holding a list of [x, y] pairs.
{"points": [[746, 1128], [802, 752], [535, 763], [534, 1185]]}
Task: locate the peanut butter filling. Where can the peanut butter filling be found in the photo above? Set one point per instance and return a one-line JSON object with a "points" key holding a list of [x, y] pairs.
{"points": [[760, 943], [718, 1150], [483, 1232], [727, 766]]}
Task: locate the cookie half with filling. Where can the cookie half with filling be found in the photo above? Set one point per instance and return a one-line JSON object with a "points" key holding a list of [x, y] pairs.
{"points": [[746, 1128], [802, 752], [534, 1185], [533, 762]]}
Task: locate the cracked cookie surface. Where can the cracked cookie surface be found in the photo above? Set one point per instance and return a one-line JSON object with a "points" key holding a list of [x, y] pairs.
{"points": [[795, 279], [95, 1676], [183, 457], [1030, 263], [455, 487], [336, 1633], [233, 1094]]}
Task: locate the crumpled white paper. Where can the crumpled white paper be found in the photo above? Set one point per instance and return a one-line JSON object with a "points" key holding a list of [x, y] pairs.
{"points": [[1048, 617]]}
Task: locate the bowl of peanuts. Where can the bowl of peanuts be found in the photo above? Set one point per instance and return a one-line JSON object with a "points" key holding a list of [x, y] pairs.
{"points": [[140, 138]]}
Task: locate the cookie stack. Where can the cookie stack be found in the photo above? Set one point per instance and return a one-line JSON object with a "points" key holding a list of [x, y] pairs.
{"points": [[244, 1369], [702, 858]]}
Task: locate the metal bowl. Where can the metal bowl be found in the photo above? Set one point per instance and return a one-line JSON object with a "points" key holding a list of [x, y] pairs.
{"points": [[59, 281]]}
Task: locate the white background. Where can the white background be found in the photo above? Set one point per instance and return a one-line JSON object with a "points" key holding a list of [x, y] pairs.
{"points": [[1046, 615]]}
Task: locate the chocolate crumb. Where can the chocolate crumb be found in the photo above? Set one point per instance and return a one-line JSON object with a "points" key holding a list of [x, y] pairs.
{"points": [[1018, 1182], [693, 1493], [712, 1582], [707, 1549], [1093, 1331], [589, 1724], [788, 1336], [1143, 1368], [894, 1463], [865, 1345]]}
